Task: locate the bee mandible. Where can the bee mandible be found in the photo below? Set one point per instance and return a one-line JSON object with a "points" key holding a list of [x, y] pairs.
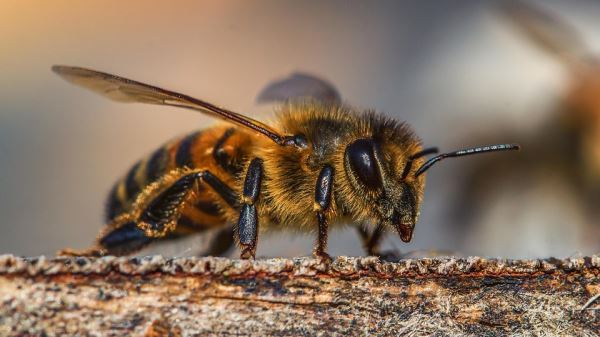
{"points": [[321, 164]]}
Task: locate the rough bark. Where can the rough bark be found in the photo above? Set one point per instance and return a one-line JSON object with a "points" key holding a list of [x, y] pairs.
{"points": [[154, 296]]}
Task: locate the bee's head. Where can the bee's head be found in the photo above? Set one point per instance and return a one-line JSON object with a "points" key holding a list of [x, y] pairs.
{"points": [[387, 177], [375, 169]]}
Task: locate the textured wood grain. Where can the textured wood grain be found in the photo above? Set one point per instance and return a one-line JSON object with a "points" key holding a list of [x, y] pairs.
{"points": [[154, 296]]}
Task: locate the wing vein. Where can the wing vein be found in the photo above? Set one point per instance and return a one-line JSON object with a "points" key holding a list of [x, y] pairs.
{"points": [[125, 90]]}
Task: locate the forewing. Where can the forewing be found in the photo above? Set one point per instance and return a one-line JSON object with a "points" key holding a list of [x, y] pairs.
{"points": [[125, 90], [111, 86]]}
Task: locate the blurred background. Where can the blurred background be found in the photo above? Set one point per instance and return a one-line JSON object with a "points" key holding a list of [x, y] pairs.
{"points": [[462, 73]]}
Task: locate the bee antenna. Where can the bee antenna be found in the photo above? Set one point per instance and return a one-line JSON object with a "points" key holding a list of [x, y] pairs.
{"points": [[465, 152], [419, 154]]}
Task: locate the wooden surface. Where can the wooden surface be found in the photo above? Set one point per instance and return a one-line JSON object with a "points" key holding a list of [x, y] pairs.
{"points": [[154, 296]]}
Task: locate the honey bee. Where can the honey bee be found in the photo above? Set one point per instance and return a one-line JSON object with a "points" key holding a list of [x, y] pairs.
{"points": [[321, 164]]}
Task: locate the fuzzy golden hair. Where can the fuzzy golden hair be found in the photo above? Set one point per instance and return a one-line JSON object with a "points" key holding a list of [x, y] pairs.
{"points": [[291, 174]]}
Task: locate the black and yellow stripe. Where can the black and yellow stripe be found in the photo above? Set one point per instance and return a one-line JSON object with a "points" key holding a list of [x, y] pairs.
{"points": [[157, 164], [201, 149], [184, 156]]}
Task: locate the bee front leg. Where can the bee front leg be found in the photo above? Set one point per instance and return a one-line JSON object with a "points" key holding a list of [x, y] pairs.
{"points": [[373, 246], [247, 228], [321, 207], [371, 241]]}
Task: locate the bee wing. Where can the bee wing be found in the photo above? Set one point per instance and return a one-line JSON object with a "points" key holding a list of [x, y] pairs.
{"points": [[298, 86], [125, 90], [547, 31]]}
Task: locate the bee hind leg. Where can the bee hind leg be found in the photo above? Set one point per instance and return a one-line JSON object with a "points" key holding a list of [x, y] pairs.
{"points": [[122, 237], [157, 217], [154, 214], [128, 239]]}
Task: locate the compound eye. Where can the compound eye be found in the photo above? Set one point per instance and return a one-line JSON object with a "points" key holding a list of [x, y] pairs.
{"points": [[361, 157]]}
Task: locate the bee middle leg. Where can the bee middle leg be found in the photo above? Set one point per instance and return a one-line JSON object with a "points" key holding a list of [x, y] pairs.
{"points": [[247, 228], [321, 207]]}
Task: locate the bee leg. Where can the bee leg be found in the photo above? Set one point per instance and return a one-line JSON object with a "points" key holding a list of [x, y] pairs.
{"points": [[371, 243], [247, 228], [153, 216], [158, 215], [221, 243], [321, 206], [371, 240], [121, 237]]}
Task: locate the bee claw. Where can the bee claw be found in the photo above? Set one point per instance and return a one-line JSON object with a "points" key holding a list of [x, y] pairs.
{"points": [[323, 257], [248, 253]]}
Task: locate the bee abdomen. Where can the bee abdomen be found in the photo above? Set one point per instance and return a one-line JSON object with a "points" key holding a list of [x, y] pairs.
{"points": [[184, 155], [157, 164], [200, 149], [141, 174], [123, 193], [114, 204]]}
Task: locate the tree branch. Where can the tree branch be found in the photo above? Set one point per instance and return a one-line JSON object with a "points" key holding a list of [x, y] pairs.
{"points": [[154, 296]]}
